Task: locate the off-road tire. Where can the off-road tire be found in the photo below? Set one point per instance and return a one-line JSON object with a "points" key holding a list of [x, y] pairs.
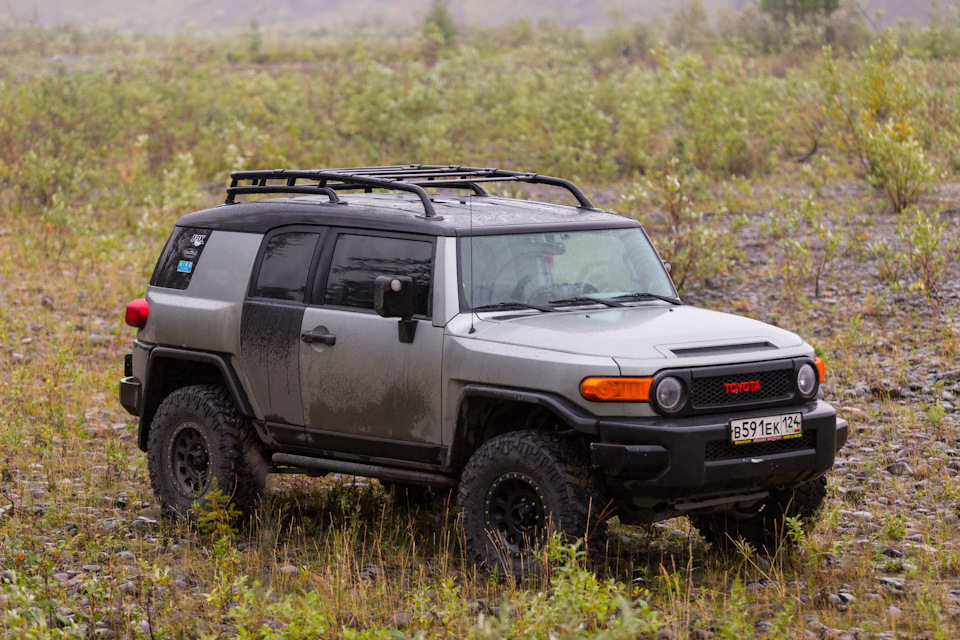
{"points": [[198, 437], [519, 487], [765, 528]]}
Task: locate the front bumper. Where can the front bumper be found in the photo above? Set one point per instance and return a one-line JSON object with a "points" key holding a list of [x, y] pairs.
{"points": [[688, 464]]}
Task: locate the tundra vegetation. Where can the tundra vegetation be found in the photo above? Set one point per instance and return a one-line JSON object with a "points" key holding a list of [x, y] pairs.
{"points": [[812, 186]]}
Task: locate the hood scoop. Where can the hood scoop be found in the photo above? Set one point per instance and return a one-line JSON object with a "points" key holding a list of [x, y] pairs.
{"points": [[718, 349]]}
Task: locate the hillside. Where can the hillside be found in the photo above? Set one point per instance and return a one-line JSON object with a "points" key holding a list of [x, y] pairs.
{"points": [[332, 15]]}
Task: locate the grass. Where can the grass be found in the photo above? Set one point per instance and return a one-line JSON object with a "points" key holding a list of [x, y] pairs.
{"points": [[100, 152]]}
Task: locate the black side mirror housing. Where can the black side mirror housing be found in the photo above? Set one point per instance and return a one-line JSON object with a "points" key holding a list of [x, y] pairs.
{"points": [[393, 297]]}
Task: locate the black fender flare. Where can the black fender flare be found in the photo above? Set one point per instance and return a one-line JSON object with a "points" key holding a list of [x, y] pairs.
{"points": [[218, 360], [572, 416]]}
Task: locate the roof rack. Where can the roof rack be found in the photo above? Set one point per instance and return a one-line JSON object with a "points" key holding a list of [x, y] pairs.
{"points": [[412, 178]]}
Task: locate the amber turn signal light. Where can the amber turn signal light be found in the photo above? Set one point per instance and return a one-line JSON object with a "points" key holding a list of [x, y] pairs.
{"points": [[616, 389], [821, 367]]}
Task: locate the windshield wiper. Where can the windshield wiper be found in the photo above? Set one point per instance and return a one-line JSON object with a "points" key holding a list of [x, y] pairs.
{"points": [[647, 294], [498, 306], [586, 300]]}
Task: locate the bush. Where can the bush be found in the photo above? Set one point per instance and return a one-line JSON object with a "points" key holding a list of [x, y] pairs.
{"points": [[929, 247], [871, 107], [700, 244]]}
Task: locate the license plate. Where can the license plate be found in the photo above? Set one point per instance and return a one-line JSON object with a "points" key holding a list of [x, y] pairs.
{"points": [[765, 429]]}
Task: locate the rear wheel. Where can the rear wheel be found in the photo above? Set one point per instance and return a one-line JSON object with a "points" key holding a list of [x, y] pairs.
{"points": [[198, 441], [520, 487], [765, 527]]}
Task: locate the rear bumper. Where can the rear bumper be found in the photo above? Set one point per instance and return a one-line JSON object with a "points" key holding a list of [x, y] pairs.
{"points": [[689, 464], [130, 395]]}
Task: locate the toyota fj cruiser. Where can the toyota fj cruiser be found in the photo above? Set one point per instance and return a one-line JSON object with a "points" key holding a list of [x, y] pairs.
{"points": [[404, 324]]}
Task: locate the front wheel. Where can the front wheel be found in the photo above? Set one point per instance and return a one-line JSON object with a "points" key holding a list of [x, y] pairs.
{"points": [[198, 441], [765, 527], [520, 487]]}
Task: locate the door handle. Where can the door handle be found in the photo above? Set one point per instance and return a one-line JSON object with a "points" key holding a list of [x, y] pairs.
{"points": [[323, 338]]}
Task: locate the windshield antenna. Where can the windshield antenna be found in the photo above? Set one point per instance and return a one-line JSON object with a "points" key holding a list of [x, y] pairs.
{"points": [[473, 292]]}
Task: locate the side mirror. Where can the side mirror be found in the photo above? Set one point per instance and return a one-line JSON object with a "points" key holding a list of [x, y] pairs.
{"points": [[393, 298], [668, 265]]}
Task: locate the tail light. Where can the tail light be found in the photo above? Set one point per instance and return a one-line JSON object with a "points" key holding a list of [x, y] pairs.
{"points": [[137, 312]]}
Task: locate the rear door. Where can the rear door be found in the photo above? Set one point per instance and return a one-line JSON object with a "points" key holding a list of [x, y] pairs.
{"points": [[365, 391], [270, 327]]}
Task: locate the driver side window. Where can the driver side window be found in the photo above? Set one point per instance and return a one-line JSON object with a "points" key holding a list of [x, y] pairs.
{"points": [[359, 259]]}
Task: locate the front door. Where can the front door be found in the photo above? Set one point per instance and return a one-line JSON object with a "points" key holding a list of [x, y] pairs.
{"points": [[363, 390]]}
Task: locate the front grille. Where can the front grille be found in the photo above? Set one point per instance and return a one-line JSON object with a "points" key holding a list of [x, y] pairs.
{"points": [[724, 450], [711, 391]]}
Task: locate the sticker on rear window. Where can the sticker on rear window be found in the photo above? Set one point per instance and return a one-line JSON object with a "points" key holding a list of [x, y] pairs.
{"points": [[180, 258]]}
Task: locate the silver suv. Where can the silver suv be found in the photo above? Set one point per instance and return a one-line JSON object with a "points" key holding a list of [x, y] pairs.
{"points": [[404, 324]]}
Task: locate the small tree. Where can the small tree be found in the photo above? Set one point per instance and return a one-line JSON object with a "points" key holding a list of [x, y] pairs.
{"points": [[439, 22], [798, 10]]}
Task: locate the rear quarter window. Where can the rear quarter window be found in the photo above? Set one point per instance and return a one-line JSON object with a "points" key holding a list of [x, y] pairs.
{"points": [[180, 256]]}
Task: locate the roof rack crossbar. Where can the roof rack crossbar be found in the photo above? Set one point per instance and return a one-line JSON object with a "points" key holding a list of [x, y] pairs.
{"points": [[411, 178], [300, 188]]}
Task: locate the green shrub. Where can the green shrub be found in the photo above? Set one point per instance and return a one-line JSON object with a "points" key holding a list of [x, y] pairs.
{"points": [[806, 245], [872, 106], [929, 248], [700, 243]]}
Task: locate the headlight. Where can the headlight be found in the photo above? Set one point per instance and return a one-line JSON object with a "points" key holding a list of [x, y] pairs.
{"points": [[669, 394], [807, 380]]}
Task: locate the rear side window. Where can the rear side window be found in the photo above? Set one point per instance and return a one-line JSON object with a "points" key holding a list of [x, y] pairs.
{"points": [[358, 260], [286, 264], [179, 258]]}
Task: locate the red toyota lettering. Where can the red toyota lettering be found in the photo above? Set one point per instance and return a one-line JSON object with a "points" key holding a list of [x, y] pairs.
{"points": [[741, 387]]}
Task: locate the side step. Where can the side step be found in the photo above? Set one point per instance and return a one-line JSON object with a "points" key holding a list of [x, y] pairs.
{"points": [[365, 470]]}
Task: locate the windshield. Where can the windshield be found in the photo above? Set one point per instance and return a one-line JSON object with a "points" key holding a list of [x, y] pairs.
{"points": [[571, 267]]}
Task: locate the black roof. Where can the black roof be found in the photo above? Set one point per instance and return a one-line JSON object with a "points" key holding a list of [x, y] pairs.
{"points": [[455, 215]]}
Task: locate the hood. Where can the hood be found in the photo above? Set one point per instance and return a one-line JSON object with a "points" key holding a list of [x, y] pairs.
{"points": [[642, 332]]}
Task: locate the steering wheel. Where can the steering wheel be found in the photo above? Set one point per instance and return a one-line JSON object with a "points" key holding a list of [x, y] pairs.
{"points": [[592, 273]]}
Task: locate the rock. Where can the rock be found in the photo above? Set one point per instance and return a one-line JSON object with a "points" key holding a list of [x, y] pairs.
{"points": [[400, 620], [899, 468], [666, 634], [143, 524], [764, 626], [894, 612], [153, 512], [128, 588], [897, 584], [347, 619], [370, 572], [289, 570]]}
